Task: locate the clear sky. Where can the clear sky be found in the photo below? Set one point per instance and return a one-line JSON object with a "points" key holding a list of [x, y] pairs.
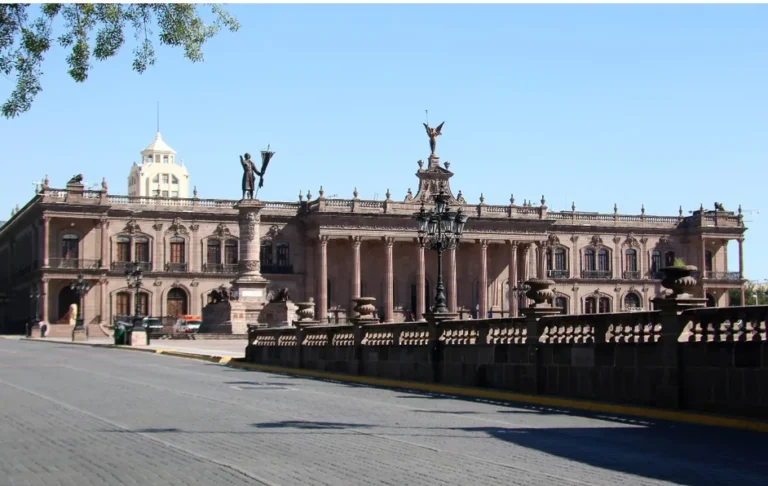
{"points": [[658, 105]]}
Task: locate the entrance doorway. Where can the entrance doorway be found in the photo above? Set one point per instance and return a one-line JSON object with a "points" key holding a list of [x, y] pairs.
{"points": [[67, 297], [177, 303]]}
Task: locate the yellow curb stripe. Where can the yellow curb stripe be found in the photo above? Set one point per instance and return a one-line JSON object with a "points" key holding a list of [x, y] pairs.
{"points": [[225, 360], [650, 413]]}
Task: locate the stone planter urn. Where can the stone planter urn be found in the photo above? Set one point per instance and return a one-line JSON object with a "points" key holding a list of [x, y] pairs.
{"points": [[305, 311], [365, 307], [679, 280], [540, 291]]}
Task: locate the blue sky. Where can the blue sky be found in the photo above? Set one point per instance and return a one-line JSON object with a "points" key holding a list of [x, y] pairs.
{"points": [[658, 105]]}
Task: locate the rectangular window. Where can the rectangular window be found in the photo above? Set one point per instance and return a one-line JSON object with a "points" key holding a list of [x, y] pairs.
{"points": [[143, 305], [165, 159], [165, 178], [603, 262], [560, 259], [70, 247], [230, 252], [175, 194], [282, 254], [123, 304], [142, 250], [165, 193], [630, 262], [174, 179], [656, 261], [214, 251], [123, 250], [177, 252], [156, 179]]}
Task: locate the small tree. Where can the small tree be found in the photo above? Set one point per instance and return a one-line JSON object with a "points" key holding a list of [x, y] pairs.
{"points": [[753, 295], [23, 43]]}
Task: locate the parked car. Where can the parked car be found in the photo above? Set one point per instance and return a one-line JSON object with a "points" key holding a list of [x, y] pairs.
{"points": [[154, 324], [188, 324]]}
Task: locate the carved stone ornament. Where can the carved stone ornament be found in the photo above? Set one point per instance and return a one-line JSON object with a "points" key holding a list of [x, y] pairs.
{"points": [[273, 232], [177, 227], [131, 227], [596, 241], [194, 227], [222, 231], [157, 226], [553, 240], [575, 238], [194, 283], [158, 283], [250, 264], [617, 239], [250, 226], [631, 241], [664, 240], [176, 284]]}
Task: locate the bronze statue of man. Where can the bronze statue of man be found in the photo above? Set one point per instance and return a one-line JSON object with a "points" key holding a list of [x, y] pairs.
{"points": [[249, 175], [433, 133]]}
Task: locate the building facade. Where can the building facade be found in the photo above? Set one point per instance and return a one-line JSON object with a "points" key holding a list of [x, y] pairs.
{"points": [[333, 250], [159, 174]]}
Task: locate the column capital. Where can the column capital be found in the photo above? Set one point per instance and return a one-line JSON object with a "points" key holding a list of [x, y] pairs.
{"points": [[513, 243], [389, 241], [356, 241], [45, 218], [323, 239], [484, 244]]}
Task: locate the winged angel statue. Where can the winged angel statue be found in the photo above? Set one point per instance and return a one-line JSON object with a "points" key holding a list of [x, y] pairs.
{"points": [[433, 133]]}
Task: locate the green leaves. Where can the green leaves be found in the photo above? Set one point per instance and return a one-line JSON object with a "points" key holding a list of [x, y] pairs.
{"points": [[23, 45]]}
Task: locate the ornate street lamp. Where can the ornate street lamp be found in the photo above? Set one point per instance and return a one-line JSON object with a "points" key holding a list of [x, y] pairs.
{"points": [[440, 230], [133, 278], [34, 315], [81, 287]]}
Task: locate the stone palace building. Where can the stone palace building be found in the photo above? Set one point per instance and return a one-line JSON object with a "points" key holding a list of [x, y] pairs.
{"points": [[332, 250]]}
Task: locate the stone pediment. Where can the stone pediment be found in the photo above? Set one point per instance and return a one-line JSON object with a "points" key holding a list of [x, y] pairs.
{"points": [[433, 180]]}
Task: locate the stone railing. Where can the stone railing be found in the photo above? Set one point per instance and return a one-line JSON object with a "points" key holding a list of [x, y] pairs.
{"points": [[676, 357]]}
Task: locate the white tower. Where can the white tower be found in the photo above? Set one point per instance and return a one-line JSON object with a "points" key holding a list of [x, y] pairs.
{"points": [[159, 175]]}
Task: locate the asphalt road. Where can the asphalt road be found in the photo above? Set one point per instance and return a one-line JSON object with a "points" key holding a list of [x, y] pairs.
{"points": [[75, 415]]}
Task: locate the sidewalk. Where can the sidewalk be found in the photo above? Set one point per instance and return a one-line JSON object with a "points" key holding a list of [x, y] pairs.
{"points": [[232, 349]]}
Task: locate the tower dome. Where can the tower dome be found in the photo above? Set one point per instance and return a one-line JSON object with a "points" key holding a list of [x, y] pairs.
{"points": [[158, 174]]}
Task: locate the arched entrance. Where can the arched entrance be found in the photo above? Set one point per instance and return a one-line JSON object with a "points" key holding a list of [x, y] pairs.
{"points": [[711, 301], [177, 302], [67, 297]]}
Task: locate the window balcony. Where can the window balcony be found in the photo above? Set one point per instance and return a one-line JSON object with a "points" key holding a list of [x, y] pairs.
{"points": [[175, 267], [729, 276], [596, 274], [278, 269], [74, 264], [631, 275], [220, 268], [128, 266], [558, 274]]}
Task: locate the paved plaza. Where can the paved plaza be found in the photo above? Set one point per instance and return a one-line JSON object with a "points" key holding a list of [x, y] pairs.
{"points": [[77, 415]]}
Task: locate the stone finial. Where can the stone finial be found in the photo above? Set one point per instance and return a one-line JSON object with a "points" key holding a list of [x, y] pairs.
{"points": [[512, 199], [104, 184], [447, 164], [615, 208], [573, 206], [482, 198], [409, 194], [45, 182], [543, 201], [309, 195], [642, 209], [525, 203], [739, 209], [301, 196], [680, 211], [421, 164], [321, 192], [194, 192], [355, 193], [701, 208], [388, 194]]}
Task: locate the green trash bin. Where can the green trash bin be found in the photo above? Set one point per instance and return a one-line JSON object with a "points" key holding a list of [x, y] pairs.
{"points": [[120, 336]]}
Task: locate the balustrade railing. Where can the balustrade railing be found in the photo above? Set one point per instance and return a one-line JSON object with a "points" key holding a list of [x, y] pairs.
{"points": [[631, 275], [277, 269], [596, 274], [73, 264], [176, 267], [558, 273], [220, 268], [730, 276], [129, 266]]}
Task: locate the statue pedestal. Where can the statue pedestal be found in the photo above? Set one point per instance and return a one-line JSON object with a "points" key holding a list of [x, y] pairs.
{"points": [[79, 335], [250, 285], [138, 337], [278, 314]]}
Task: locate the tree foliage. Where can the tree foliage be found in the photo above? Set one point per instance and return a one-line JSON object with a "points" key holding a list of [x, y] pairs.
{"points": [[95, 31], [753, 294]]}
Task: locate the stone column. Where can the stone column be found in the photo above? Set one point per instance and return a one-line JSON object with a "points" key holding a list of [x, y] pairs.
{"points": [[322, 284], [421, 278], [512, 279], [389, 298], [703, 274], [44, 298], [741, 258], [541, 259], [158, 254], [356, 243], [46, 244], [617, 257], [104, 232], [483, 280], [103, 300], [250, 240]]}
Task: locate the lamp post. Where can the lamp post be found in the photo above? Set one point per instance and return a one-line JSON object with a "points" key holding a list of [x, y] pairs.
{"points": [[440, 230], [133, 277], [81, 287], [34, 315]]}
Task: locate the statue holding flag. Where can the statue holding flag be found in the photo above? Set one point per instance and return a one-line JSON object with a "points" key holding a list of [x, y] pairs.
{"points": [[250, 172]]}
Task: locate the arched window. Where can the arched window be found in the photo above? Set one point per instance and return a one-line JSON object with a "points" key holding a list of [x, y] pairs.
{"points": [[141, 247], [669, 258], [123, 304], [176, 302], [266, 253], [143, 304], [632, 302], [214, 251], [562, 303], [604, 305], [283, 254], [557, 263], [708, 260], [177, 250], [630, 264], [590, 305], [589, 260], [230, 252], [655, 264], [123, 250], [70, 248]]}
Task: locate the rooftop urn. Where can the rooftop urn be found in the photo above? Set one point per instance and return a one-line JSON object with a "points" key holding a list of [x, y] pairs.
{"points": [[540, 291], [305, 311], [679, 279], [365, 307]]}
